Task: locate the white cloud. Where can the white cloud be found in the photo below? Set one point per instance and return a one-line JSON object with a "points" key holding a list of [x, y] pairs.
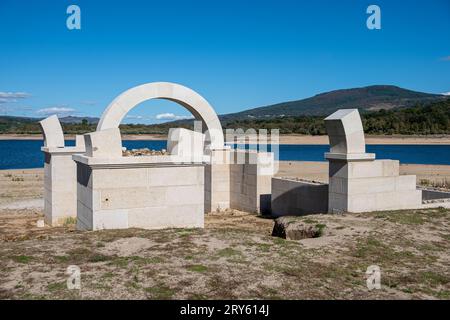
{"points": [[14, 95], [171, 116], [134, 117], [7, 97], [446, 93], [56, 110]]}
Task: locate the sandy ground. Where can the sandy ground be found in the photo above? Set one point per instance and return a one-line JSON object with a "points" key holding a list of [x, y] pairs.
{"points": [[25, 185], [310, 170], [20, 188], [284, 139], [233, 257]]}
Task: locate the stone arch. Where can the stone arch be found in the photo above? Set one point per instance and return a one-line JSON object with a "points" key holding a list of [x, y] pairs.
{"points": [[52, 131], [191, 100], [345, 131], [346, 134]]}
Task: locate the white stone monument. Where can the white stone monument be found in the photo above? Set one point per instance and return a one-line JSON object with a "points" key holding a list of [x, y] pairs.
{"points": [[60, 186], [216, 195], [95, 183], [358, 182], [149, 191]]}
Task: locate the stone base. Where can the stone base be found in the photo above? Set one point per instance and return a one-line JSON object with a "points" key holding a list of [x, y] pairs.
{"points": [[152, 196], [371, 186]]}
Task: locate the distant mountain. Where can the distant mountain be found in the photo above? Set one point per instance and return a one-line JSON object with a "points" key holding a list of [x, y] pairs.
{"points": [[73, 119], [68, 119], [16, 119], [370, 98]]}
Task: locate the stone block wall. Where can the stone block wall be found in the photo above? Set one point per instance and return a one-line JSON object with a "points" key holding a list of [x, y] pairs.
{"points": [[238, 179], [250, 187], [295, 197], [160, 196], [364, 186]]}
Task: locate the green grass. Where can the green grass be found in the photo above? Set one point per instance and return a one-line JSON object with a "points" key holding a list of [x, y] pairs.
{"points": [[411, 217], [123, 262], [280, 241], [435, 279], [371, 248], [61, 259], [69, 221], [197, 268], [309, 221], [99, 258], [160, 292], [108, 275], [57, 286], [320, 230], [228, 252], [443, 294], [185, 232], [22, 259]]}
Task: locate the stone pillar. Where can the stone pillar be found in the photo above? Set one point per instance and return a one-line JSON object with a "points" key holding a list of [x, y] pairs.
{"points": [[60, 175], [358, 182], [60, 184], [217, 180]]}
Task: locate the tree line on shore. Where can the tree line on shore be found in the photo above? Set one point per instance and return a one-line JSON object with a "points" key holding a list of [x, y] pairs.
{"points": [[419, 120]]}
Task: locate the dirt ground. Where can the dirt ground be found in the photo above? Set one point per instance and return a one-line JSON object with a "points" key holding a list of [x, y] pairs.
{"points": [[310, 170], [233, 257]]}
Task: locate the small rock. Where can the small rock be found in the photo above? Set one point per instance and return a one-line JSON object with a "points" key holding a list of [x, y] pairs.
{"points": [[40, 223]]}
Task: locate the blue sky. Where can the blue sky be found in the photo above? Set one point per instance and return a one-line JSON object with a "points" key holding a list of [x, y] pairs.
{"points": [[238, 54]]}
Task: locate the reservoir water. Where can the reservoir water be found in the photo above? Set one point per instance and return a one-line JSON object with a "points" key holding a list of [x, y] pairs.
{"points": [[21, 154]]}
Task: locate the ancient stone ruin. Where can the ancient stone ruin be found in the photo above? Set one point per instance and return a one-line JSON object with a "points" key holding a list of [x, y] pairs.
{"points": [[105, 187], [357, 182], [199, 174]]}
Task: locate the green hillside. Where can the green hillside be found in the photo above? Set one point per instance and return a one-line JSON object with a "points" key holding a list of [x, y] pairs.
{"points": [[418, 120], [432, 118], [384, 109], [370, 98]]}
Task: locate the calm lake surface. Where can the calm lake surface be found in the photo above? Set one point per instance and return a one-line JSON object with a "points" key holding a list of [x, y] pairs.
{"points": [[22, 154]]}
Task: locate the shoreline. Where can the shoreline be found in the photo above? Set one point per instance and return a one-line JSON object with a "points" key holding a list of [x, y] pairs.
{"points": [[310, 170], [284, 139]]}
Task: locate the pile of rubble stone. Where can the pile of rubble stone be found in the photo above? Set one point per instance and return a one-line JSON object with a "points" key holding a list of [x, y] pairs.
{"points": [[144, 152]]}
